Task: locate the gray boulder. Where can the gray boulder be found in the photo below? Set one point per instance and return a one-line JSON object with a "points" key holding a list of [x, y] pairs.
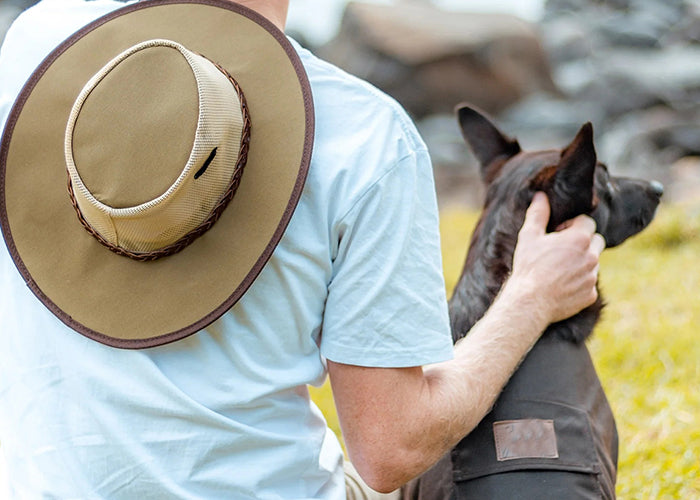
{"points": [[430, 59]]}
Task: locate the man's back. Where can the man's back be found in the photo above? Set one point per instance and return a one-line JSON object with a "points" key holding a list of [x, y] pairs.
{"points": [[225, 413]]}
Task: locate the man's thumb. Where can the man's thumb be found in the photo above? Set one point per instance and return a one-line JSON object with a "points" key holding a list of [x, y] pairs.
{"points": [[537, 215]]}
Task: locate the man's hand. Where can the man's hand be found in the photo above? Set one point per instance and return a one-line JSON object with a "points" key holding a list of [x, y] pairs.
{"points": [[558, 269]]}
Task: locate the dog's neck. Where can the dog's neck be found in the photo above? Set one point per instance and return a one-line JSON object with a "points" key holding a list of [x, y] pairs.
{"points": [[488, 265]]}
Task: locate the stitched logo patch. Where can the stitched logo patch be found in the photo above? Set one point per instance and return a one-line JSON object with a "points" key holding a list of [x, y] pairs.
{"points": [[526, 438]]}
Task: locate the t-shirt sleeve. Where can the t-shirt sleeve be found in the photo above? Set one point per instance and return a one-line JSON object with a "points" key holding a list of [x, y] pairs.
{"points": [[386, 304]]}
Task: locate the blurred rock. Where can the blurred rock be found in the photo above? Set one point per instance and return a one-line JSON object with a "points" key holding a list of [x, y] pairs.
{"points": [[647, 142], [633, 69], [685, 180], [430, 60], [543, 121], [642, 24], [457, 175]]}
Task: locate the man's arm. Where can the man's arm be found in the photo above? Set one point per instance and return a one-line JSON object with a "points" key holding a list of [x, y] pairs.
{"points": [[397, 422]]}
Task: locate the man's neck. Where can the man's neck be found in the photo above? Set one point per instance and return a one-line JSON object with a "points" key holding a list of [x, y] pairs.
{"points": [[274, 10]]}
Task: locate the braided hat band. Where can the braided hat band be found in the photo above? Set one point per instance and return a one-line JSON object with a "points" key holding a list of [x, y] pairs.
{"points": [[192, 204]]}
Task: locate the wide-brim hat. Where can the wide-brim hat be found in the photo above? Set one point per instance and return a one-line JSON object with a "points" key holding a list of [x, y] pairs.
{"points": [[78, 202]]}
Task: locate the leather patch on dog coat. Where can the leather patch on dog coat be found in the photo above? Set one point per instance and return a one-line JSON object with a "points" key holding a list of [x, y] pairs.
{"points": [[526, 438]]}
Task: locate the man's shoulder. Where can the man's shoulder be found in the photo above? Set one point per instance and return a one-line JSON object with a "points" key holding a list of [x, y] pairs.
{"points": [[325, 74], [341, 96]]}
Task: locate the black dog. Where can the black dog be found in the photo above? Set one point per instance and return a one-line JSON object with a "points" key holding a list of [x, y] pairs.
{"points": [[551, 433]]}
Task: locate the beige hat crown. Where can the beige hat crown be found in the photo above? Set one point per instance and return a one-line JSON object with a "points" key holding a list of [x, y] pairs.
{"points": [[163, 222]]}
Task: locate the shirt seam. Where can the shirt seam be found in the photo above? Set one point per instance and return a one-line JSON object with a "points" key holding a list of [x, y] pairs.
{"points": [[420, 353]]}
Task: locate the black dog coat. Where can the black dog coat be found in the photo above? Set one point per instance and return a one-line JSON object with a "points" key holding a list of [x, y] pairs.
{"points": [[546, 437]]}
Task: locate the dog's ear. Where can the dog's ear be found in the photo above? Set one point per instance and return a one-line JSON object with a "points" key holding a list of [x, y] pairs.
{"points": [[576, 169], [570, 183], [490, 146]]}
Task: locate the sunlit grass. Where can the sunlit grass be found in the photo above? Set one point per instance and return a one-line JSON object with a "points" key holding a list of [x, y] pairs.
{"points": [[646, 349]]}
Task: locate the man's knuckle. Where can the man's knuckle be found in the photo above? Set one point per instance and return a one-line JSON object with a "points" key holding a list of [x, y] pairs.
{"points": [[590, 281], [581, 242], [592, 287], [591, 260], [589, 223]]}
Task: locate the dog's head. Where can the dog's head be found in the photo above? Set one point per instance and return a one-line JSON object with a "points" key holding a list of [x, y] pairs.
{"points": [[573, 179]]}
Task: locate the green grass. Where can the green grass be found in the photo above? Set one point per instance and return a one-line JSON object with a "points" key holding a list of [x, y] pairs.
{"points": [[646, 349]]}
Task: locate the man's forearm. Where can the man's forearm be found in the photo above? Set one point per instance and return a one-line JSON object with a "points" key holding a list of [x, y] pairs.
{"points": [[484, 361], [428, 411]]}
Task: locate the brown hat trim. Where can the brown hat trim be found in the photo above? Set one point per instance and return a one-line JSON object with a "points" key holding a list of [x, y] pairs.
{"points": [[277, 236]]}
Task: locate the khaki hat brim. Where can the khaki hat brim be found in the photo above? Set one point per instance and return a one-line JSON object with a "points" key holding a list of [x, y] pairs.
{"points": [[122, 302]]}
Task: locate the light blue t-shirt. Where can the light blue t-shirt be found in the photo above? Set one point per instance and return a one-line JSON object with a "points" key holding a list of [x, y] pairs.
{"points": [[226, 413]]}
